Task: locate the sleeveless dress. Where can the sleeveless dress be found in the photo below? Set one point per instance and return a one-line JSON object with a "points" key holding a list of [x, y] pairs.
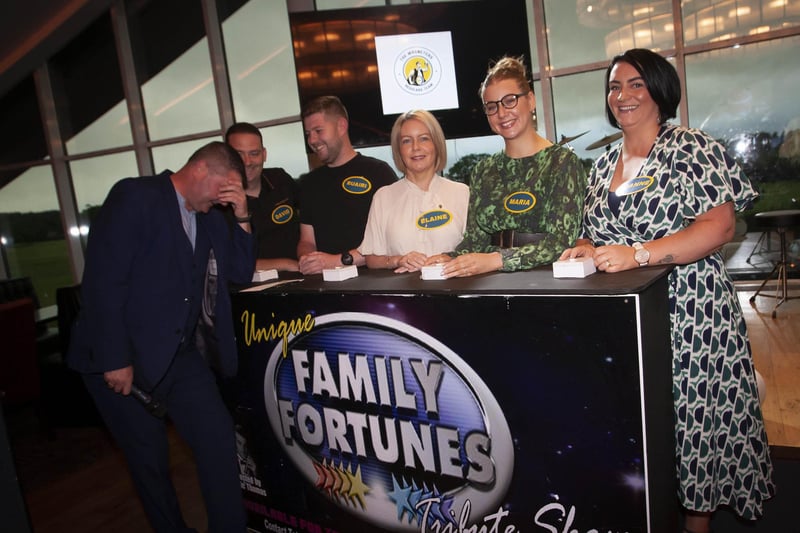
{"points": [[721, 445]]}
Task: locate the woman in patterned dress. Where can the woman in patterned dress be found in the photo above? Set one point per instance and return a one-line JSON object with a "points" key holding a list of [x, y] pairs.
{"points": [[526, 200], [668, 195]]}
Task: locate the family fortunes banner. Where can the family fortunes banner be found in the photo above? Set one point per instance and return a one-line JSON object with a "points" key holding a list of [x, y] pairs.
{"points": [[440, 413]]}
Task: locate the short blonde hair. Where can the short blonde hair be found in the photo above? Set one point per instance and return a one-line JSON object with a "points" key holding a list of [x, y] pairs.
{"points": [[437, 135]]}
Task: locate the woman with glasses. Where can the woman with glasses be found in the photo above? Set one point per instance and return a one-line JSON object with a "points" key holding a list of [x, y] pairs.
{"points": [[526, 200]]}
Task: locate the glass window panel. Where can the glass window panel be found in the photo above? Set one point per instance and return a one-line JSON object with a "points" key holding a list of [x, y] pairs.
{"points": [[32, 236], [20, 111], [579, 102], [286, 148], [457, 149], [533, 52], [88, 88], [585, 31], [747, 97], [175, 68], [174, 156], [109, 130], [708, 21], [92, 179], [262, 74]]}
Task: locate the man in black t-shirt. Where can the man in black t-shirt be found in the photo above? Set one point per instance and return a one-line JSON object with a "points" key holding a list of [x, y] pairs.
{"points": [[335, 197], [271, 201]]}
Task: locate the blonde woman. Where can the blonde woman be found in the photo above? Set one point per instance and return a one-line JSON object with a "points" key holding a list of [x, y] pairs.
{"points": [[423, 214]]}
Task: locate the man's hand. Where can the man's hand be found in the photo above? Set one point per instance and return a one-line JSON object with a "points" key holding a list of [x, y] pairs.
{"points": [[120, 380], [316, 262], [232, 193]]}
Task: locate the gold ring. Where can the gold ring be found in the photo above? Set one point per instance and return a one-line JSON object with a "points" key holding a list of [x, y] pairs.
{"points": [[608, 263]]}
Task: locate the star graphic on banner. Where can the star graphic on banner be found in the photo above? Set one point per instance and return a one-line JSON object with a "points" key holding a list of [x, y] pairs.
{"points": [[358, 489], [399, 495]]}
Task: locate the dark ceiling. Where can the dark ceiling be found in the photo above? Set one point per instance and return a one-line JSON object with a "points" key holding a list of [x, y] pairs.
{"points": [[33, 30]]}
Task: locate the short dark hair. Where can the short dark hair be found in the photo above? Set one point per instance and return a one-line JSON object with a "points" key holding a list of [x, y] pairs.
{"points": [[330, 105], [659, 76], [220, 158], [243, 127]]}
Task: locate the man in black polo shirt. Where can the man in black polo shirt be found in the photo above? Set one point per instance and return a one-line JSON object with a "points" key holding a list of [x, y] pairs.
{"points": [[271, 201]]}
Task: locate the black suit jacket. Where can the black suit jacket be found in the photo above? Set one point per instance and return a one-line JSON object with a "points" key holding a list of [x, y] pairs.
{"points": [[139, 289]]}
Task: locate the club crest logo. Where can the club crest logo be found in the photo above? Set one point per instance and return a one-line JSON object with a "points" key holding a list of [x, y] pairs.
{"points": [[388, 423], [418, 70]]}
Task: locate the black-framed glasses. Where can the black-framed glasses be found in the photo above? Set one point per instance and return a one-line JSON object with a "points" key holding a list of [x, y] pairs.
{"points": [[509, 101]]}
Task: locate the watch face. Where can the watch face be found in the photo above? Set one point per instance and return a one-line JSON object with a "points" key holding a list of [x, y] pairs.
{"points": [[641, 256], [347, 259]]}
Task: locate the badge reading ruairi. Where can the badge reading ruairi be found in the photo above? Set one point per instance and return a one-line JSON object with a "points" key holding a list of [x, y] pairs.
{"points": [[356, 184]]}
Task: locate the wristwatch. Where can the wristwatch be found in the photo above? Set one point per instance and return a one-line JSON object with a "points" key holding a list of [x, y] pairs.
{"points": [[641, 255], [347, 259]]}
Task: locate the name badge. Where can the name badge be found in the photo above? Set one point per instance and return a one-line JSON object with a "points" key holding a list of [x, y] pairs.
{"points": [[519, 202], [282, 214], [434, 219], [356, 184], [635, 185]]}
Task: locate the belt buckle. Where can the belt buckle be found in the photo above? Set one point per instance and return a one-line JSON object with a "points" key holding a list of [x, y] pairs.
{"points": [[507, 238]]}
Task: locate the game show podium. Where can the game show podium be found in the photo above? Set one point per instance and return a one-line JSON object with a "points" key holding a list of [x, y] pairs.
{"points": [[508, 401]]}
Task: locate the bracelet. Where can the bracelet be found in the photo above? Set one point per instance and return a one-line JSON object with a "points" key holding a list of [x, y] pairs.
{"points": [[244, 219]]}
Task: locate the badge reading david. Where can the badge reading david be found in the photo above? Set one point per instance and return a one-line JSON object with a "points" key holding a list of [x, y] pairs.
{"points": [[282, 214]]}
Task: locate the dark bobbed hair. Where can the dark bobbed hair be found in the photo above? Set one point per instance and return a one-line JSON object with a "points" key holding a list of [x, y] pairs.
{"points": [[437, 135], [220, 159], [329, 105], [243, 127], [659, 76]]}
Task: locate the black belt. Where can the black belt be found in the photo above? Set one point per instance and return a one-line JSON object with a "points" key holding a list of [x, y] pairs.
{"points": [[509, 238]]}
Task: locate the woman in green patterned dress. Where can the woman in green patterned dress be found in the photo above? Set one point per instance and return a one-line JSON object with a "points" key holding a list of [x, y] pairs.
{"points": [[668, 195], [526, 200]]}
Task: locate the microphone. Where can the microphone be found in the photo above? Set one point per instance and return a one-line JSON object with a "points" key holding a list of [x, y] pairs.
{"points": [[153, 406]]}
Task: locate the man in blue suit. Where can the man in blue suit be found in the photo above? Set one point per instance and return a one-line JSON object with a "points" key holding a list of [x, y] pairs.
{"points": [[152, 249]]}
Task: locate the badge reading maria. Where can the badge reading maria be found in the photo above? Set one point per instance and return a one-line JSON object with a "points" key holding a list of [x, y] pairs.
{"points": [[519, 202], [356, 184], [388, 423]]}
